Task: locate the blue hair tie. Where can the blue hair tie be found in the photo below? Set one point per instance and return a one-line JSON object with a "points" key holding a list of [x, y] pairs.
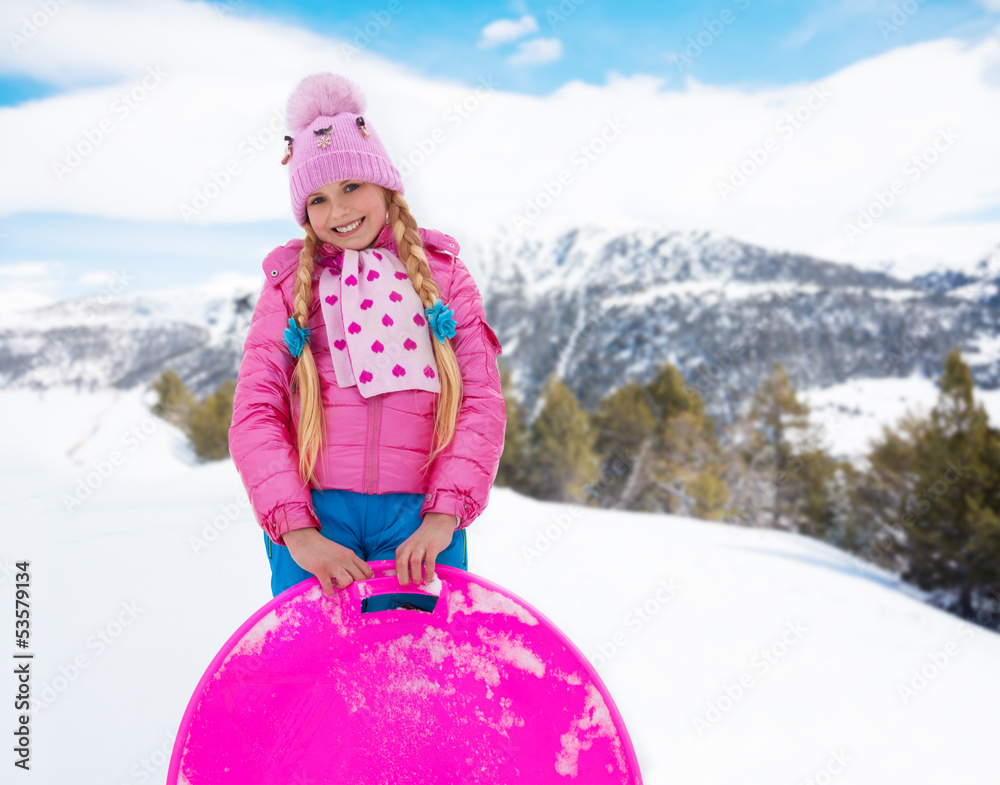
{"points": [[442, 320], [296, 337]]}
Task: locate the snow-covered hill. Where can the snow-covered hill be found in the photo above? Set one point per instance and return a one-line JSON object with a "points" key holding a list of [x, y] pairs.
{"points": [[734, 655]]}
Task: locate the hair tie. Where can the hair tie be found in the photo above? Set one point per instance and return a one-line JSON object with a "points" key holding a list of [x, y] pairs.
{"points": [[442, 320], [296, 337]]}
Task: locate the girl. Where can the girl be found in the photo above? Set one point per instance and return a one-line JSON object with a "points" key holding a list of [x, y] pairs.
{"points": [[368, 419]]}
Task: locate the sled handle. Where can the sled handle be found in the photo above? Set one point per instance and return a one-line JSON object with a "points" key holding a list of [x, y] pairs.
{"points": [[364, 596]]}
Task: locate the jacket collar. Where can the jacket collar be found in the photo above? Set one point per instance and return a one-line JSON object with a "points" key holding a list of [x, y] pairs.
{"points": [[282, 261]]}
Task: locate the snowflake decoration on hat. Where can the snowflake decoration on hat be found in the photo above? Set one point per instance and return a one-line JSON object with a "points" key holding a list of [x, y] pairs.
{"points": [[324, 136]]}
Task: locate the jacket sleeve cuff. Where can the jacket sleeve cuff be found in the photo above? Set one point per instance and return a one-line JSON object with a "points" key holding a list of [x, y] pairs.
{"points": [[451, 503], [286, 518]]}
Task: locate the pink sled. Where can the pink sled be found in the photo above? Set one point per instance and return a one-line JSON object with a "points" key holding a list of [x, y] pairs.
{"points": [[482, 689]]}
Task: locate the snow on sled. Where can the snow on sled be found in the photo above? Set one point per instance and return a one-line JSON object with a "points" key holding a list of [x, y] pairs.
{"points": [[460, 681]]}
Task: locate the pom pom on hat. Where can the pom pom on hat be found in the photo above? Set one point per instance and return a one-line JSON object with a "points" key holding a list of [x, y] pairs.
{"points": [[322, 95], [332, 141]]}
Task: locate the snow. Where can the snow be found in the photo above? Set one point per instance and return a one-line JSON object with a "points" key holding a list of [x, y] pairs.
{"points": [[849, 416], [594, 722], [482, 600], [434, 587], [775, 652]]}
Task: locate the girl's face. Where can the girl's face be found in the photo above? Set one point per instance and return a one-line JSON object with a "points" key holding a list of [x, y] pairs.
{"points": [[341, 206]]}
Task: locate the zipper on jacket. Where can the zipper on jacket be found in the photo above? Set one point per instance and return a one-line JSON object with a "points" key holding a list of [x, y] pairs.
{"points": [[374, 419]]}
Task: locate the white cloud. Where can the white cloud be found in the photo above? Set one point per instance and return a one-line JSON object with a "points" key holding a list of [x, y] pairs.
{"points": [[97, 278], [474, 157], [504, 31], [25, 270], [537, 51]]}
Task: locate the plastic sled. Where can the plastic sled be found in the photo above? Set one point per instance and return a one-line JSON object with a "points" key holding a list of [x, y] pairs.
{"points": [[456, 682]]}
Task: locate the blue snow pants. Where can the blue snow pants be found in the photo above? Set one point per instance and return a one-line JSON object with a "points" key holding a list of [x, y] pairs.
{"points": [[371, 525]]}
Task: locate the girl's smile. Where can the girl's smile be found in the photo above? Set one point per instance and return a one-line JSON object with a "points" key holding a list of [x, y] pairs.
{"points": [[348, 214]]}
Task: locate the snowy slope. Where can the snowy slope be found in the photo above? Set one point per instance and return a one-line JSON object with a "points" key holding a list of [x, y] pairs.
{"points": [[136, 586], [849, 416]]}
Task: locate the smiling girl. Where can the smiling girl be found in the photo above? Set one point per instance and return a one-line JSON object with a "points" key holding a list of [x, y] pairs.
{"points": [[368, 418]]}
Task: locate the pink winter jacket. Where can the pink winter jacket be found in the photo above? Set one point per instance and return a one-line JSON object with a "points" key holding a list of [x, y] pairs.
{"points": [[374, 445]]}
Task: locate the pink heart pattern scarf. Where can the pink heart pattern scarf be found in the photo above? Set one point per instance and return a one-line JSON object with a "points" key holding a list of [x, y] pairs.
{"points": [[379, 338]]}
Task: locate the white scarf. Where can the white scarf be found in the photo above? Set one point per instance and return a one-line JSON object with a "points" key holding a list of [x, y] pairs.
{"points": [[375, 321]]}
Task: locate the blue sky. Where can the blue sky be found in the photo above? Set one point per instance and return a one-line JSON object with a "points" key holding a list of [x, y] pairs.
{"points": [[765, 43]]}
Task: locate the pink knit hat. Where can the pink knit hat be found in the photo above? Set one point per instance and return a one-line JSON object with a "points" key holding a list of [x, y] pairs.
{"points": [[331, 141]]}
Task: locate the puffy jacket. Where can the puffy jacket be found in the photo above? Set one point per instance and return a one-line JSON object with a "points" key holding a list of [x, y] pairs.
{"points": [[374, 445]]}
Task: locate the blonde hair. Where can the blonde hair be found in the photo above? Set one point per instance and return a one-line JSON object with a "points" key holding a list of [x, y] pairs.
{"points": [[305, 377]]}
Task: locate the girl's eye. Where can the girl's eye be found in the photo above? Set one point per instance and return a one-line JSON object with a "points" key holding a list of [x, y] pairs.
{"points": [[351, 185], [317, 200]]}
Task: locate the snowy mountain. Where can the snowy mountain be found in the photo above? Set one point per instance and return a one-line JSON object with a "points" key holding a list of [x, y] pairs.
{"points": [[598, 306], [734, 655], [125, 341], [602, 307]]}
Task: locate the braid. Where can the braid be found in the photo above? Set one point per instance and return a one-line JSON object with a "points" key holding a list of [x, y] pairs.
{"points": [[411, 253], [305, 377]]}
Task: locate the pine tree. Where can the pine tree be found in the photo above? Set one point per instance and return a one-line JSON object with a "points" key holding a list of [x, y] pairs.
{"points": [[624, 428], [764, 467], [173, 397], [207, 423], [513, 471], [562, 462], [709, 492], [658, 449], [945, 473]]}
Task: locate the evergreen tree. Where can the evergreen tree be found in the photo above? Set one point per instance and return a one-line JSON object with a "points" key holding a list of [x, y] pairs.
{"points": [[173, 397], [764, 469], [562, 462], [207, 423], [658, 449], [709, 492], [514, 463], [625, 429], [940, 479]]}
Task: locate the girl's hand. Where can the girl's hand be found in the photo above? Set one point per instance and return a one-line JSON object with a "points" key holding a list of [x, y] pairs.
{"points": [[433, 536], [334, 565]]}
